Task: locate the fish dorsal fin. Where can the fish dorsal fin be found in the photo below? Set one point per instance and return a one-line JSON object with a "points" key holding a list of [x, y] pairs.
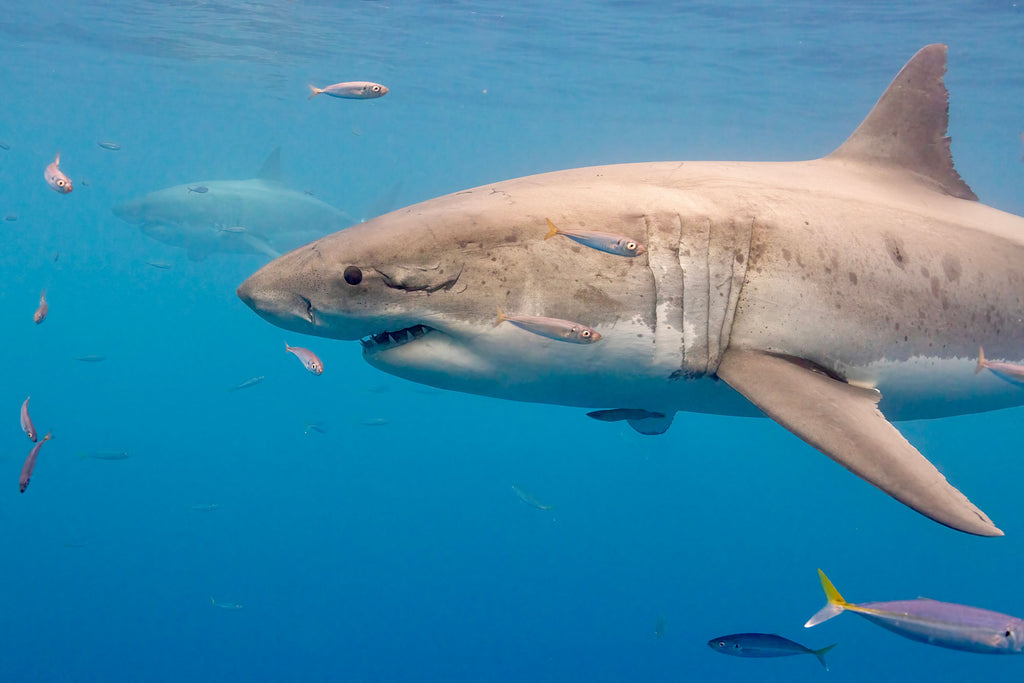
{"points": [[907, 127], [271, 168]]}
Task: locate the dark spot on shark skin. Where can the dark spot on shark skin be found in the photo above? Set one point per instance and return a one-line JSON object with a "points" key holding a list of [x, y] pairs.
{"points": [[740, 258], [853, 277], [924, 272], [935, 287], [785, 254], [897, 253], [951, 267]]}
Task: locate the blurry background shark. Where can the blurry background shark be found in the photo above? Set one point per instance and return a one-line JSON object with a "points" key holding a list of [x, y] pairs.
{"points": [[255, 216]]}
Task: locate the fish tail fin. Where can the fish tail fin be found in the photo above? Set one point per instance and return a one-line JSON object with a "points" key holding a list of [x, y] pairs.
{"points": [[981, 361], [820, 654], [552, 229], [212, 601], [56, 162], [313, 91], [286, 347], [501, 317], [49, 435], [836, 603]]}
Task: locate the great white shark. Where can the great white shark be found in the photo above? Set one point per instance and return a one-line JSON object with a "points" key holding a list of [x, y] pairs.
{"points": [[832, 295], [254, 216]]}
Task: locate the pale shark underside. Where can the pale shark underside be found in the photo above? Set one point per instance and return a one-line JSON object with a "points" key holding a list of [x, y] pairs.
{"points": [[810, 289]]}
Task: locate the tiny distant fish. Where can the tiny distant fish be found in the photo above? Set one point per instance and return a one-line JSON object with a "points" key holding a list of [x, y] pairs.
{"points": [[56, 256], [85, 182], [233, 606], [30, 463], [308, 358], [55, 178], [11, 217], [318, 427], [619, 414], [552, 328], [96, 358], [236, 230], [353, 90], [204, 507], [1011, 372], [112, 146], [4, 146], [945, 624], [251, 382], [608, 242], [162, 265], [26, 422], [374, 421], [43, 310], [527, 498], [764, 645], [199, 189], [106, 455]]}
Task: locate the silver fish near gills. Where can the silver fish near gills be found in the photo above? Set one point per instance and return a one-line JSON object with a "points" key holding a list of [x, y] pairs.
{"points": [[309, 359], [552, 328], [55, 178], [836, 295], [26, 422], [764, 645], [30, 464], [957, 627], [607, 242], [351, 90]]}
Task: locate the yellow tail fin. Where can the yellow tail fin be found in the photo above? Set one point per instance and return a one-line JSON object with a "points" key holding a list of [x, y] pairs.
{"points": [[981, 361], [836, 603], [501, 317], [313, 92], [552, 230]]}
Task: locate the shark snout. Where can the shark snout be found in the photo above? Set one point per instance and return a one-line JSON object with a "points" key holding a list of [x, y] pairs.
{"points": [[276, 303]]}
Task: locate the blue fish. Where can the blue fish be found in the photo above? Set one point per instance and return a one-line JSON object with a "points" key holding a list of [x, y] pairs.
{"points": [[764, 645], [945, 624]]}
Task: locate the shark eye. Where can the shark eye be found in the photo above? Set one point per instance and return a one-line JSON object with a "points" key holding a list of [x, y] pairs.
{"points": [[353, 275]]}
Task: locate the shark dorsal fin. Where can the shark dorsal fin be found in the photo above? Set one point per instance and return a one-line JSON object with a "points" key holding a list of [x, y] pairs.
{"points": [[271, 168], [907, 127]]}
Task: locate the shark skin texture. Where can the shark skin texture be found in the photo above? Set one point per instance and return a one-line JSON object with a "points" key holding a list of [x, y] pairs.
{"points": [[834, 295]]}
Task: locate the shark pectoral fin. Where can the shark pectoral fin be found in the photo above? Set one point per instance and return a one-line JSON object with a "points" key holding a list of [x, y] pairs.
{"points": [[844, 423], [644, 421]]}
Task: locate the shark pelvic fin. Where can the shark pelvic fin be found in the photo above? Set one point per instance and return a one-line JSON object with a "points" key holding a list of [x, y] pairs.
{"points": [[271, 168], [843, 422], [907, 127]]}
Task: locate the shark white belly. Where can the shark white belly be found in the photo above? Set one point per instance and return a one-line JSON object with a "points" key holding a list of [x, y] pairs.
{"points": [[806, 290]]}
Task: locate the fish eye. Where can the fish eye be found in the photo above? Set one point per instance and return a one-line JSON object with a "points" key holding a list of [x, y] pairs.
{"points": [[585, 333], [60, 183], [1008, 634], [353, 275], [721, 643], [631, 246], [376, 88]]}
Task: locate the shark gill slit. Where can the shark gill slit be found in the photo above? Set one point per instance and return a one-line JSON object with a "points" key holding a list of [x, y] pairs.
{"points": [[663, 239]]}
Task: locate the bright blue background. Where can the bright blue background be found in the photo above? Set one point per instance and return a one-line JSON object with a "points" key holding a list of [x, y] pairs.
{"points": [[399, 552]]}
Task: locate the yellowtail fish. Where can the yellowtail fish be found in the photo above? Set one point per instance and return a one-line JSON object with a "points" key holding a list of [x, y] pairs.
{"points": [[43, 310], [233, 606], [30, 464], [1011, 372], [112, 146], [308, 358], [26, 422], [764, 645], [352, 90], [552, 328], [957, 627], [527, 498], [55, 178], [608, 242], [251, 382]]}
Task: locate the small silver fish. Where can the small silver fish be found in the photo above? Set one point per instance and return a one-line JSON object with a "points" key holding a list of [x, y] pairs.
{"points": [[552, 328], [957, 627], [251, 382], [204, 507], [56, 179], [112, 146], [352, 90], [234, 230], [30, 463], [764, 645], [233, 606], [4, 146], [199, 189], [95, 358], [161, 265], [1011, 372], [374, 421], [11, 217], [318, 427], [308, 358], [26, 422], [43, 310], [608, 242], [527, 498]]}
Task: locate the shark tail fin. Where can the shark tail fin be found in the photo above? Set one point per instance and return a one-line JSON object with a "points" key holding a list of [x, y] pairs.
{"points": [[907, 127], [552, 229], [836, 603], [313, 91], [981, 361], [820, 654]]}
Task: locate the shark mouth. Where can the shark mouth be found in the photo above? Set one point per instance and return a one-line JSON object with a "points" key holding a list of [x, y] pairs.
{"points": [[389, 340]]}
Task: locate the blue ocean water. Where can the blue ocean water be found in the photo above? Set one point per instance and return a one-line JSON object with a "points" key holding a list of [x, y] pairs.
{"points": [[398, 551]]}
